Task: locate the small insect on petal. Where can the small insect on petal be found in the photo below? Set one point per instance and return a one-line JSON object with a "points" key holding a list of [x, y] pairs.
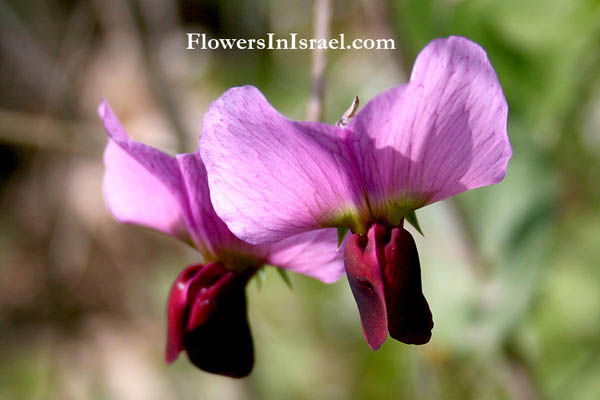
{"points": [[349, 113]]}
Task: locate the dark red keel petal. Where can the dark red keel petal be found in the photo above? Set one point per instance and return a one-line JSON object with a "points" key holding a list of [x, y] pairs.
{"points": [[223, 343], [207, 318], [177, 310], [364, 275], [385, 277], [409, 316]]}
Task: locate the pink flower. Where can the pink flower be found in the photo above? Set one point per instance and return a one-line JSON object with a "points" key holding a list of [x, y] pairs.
{"points": [[207, 303], [442, 133]]}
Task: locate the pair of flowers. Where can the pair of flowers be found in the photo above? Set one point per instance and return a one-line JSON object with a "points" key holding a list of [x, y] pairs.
{"points": [[266, 190]]}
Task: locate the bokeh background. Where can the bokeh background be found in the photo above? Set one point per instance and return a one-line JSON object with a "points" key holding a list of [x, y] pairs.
{"points": [[510, 271]]}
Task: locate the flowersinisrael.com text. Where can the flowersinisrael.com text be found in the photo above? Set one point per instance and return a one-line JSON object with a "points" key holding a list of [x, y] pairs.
{"points": [[200, 41]]}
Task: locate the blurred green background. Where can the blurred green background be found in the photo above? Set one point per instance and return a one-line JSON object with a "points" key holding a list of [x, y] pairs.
{"points": [[510, 271]]}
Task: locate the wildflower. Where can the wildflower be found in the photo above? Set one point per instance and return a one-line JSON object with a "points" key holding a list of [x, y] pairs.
{"points": [[442, 133], [207, 303]]}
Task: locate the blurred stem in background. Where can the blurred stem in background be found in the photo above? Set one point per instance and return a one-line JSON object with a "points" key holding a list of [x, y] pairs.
{"points": [[321, 20], [153, 21]]}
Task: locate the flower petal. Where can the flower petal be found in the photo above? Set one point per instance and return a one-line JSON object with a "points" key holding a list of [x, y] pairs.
{"points": [[223, 344], [147, 187], [363, 270], [315, 254], [177, 307], [385, 277], [206, 317], [206, 226], [409, 316], [142, 185], [270, 177], [441, 134]]}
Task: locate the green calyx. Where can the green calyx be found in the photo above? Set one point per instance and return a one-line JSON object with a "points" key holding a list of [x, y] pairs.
{"points": [[411, 217], [389, 212], [347, 219], [342, 232], [260, 276]]}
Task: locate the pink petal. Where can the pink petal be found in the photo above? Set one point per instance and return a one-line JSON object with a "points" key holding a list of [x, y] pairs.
{"points": [[271, 178], [206, 226], [441, 134], [142, 185], [147, 187], [315, 254]]}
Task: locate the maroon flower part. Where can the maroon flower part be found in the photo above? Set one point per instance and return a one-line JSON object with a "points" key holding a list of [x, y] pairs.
{"points": [[385, 277], [206, 316], [207, 305]]}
